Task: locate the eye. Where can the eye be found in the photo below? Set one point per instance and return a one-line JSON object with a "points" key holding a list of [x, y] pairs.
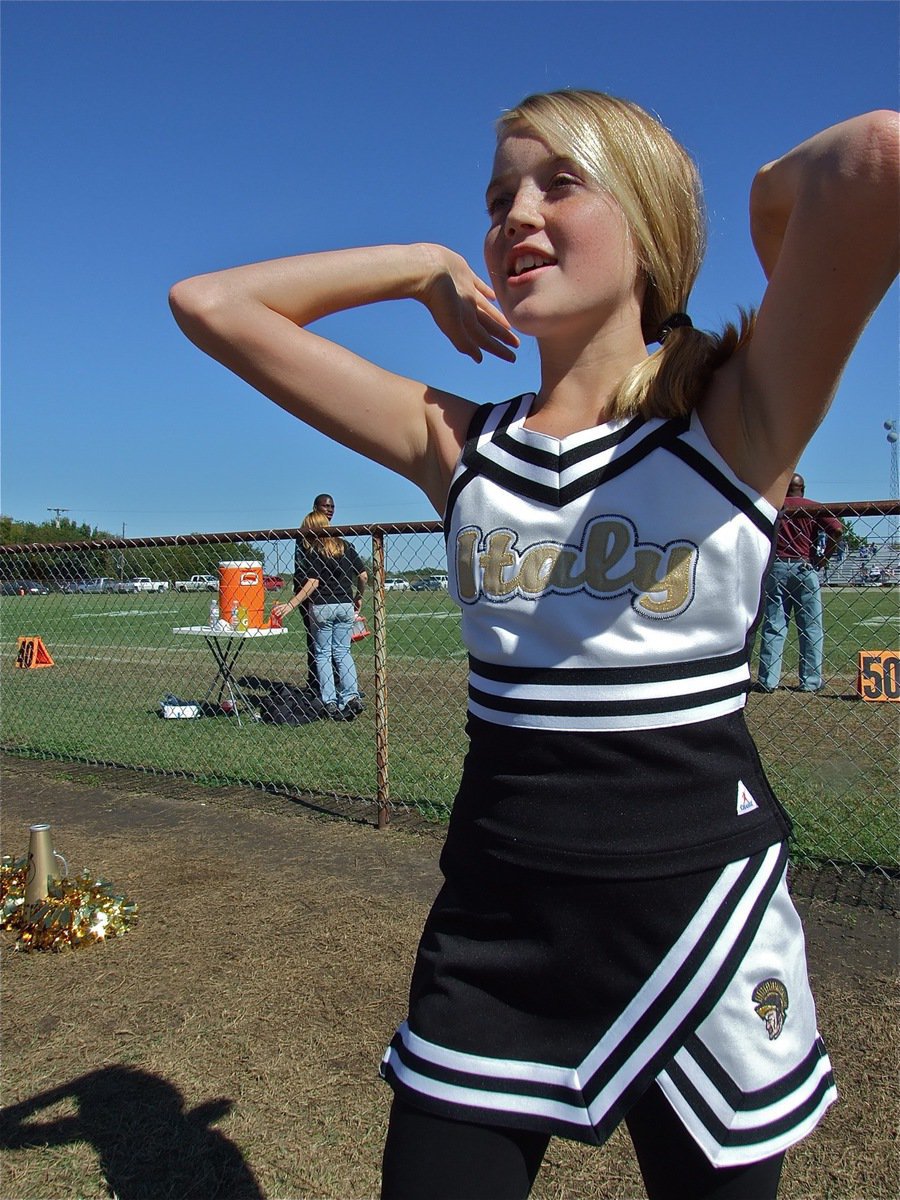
{"points": [[496, 204], [562, 180]]}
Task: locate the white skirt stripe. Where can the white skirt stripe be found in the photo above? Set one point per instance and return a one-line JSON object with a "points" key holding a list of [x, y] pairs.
{"points": [[735, 1155], [751, 1118], [473, 1097], [493, 1068]]}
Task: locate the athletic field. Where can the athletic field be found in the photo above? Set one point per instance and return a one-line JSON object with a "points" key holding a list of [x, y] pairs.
{"points": [[831, 757]]}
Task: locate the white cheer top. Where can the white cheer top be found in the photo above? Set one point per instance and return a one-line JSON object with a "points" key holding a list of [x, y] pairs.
{"points": [[608, 580]]}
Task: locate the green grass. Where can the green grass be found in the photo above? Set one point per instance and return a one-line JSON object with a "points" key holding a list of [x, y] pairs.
{"points": [[831, 757], [116, 657]]}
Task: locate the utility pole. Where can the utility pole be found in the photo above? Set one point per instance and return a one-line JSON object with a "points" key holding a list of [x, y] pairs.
{"points": [[892, 439], [57, 511]]}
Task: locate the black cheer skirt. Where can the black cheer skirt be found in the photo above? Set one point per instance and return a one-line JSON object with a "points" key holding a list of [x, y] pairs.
{"points": [[550, 1003]]}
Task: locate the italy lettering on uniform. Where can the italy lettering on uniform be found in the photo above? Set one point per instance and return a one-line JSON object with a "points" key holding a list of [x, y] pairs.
{"points": [[609, 561]]}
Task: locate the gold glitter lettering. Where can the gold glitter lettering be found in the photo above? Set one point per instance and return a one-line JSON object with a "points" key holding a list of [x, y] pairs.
{"points": [[465, 564], [493, 561], [676, 583], [536, 569], [608, 543]]}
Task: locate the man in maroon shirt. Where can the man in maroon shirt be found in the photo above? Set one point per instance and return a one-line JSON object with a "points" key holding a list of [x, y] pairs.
{"points": [[806, 540]]}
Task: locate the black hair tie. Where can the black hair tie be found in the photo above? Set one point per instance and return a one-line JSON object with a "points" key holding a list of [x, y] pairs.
{"points": [[675, 321]]}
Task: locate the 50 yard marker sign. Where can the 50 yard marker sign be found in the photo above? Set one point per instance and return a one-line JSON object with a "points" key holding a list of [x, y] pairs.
{"points": [[878, 675]]}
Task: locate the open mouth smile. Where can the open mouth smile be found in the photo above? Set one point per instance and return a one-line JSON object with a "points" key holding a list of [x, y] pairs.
{"points": [[525, 264]]}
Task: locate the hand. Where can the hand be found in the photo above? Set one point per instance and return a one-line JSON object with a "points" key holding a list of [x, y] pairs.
{"points": [[460, 304], [281, 610]]}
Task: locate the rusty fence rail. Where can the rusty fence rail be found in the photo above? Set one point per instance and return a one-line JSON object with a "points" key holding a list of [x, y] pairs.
{"points": [[106, 614]]}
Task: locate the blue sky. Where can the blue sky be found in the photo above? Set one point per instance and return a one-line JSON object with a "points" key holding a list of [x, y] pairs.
{"points": [[145, 142]]}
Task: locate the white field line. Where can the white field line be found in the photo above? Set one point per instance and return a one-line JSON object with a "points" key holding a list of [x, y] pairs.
{"points": [[130, 612], [72, 653], [438, 614]]}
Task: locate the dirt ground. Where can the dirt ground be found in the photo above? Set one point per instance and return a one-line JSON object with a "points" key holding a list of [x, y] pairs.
{"points": [[227, 1047]]}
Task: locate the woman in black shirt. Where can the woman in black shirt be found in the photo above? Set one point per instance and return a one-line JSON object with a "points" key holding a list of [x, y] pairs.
{"points": [[328, 569]]}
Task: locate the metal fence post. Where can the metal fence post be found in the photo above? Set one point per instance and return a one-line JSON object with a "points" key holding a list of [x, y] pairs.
{"points": [[381, 696]]}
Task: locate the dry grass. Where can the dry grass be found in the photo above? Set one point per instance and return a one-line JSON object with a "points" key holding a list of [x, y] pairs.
{"points": [[228, 1046]]}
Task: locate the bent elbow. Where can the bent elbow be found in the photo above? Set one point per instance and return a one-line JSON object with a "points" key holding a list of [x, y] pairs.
{"points": [[192, 302]]}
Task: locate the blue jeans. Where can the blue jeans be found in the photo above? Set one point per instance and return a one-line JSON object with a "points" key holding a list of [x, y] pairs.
{"points": [[331, 626], [792, 587]]}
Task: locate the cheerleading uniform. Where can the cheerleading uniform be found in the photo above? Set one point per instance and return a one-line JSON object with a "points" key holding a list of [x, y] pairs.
{"points": [[615, 910]]}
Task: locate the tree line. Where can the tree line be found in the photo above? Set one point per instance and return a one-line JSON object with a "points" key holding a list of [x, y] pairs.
{"points": [[58, 566]]}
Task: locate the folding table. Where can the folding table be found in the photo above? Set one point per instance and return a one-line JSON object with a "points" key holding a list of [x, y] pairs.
{"points": [[225, 646]]}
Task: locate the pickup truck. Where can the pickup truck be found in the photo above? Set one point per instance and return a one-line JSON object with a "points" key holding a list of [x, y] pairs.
{"points": [[103, 584], [197, 583], [141, 583]]}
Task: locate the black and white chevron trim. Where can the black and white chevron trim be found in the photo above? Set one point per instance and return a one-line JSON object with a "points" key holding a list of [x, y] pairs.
{"points": [[725, 1120], [556, 478], [550, 477]]}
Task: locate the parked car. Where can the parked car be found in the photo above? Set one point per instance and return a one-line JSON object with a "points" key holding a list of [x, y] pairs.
{"points": [[396, 585], [24, 587], [122, 585], [272, 582], [434, 583]]}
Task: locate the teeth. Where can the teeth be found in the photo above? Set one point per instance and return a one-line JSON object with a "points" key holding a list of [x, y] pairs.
{"points": [[527, 263]]}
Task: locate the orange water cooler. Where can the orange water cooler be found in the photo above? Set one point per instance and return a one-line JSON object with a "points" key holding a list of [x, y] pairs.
{"points": [[241, 589]]}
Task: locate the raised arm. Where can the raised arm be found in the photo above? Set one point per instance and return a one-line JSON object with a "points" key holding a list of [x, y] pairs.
{"points": [[251, 320], [824, 220]]}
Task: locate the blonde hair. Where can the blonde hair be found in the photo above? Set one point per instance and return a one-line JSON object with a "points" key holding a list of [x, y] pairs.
{"points": [[655, 183], [313, 532]]}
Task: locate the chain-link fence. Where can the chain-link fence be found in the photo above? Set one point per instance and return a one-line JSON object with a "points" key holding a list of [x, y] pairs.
{"points": [[126, 626]]}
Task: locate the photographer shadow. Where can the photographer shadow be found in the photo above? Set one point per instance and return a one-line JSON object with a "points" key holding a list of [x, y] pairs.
{"points": [[148, 1145]]}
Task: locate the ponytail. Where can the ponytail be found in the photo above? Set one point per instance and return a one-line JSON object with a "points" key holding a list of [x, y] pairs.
{"points": [[671, 381]]}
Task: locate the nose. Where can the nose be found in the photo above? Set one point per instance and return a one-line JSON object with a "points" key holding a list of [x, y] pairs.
{"points": [[524, 212]]}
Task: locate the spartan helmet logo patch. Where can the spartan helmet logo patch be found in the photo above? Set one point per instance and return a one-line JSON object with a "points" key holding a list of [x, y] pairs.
{"points": [[771, 1000]]}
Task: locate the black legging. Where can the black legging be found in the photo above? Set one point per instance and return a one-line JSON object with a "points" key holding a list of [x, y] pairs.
{"points": [[434, 1158]]}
